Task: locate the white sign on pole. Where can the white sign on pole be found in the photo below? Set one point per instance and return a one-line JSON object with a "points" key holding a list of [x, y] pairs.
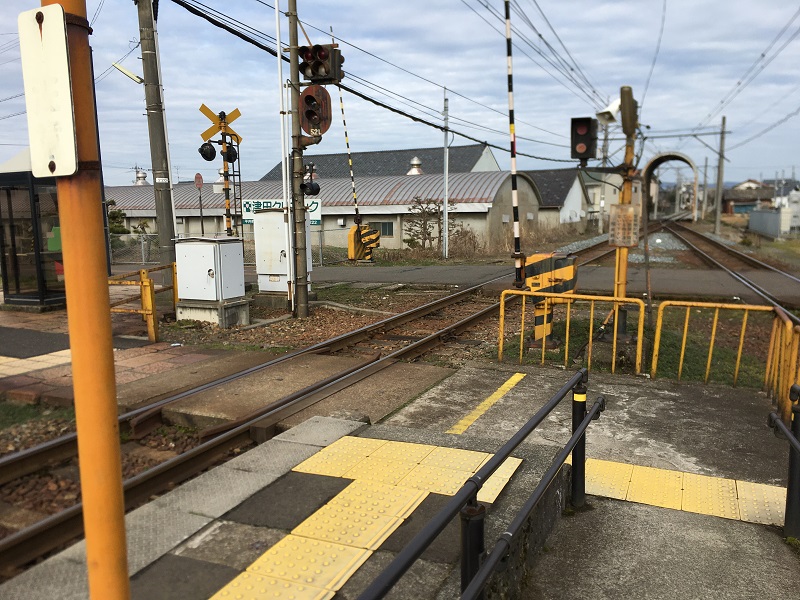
{"points": [[48, 91]]}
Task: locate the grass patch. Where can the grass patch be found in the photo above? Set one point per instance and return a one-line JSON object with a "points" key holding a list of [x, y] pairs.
{"points": [[13, 414]]}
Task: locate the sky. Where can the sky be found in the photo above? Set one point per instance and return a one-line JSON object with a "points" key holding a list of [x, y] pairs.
{"points": [[688, 64]]}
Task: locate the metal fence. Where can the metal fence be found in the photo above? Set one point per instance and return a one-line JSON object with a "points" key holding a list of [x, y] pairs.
{"points": [[143, 249]]}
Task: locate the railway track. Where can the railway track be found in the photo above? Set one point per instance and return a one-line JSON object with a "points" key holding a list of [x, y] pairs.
{"points": [[778, 291], [413, 338]]}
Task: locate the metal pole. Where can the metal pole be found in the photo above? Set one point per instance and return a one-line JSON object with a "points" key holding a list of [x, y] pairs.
{"points": [[579, 451], [445, 225], [791, 520], [300, 259], [86, 286], [720, 178], [600, 223], [517, 256], [202, 226], [158, 141], [473, 519], [705, 190]]}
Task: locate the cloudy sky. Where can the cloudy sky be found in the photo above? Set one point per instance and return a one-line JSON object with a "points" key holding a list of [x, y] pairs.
{"points": [[688, 63]]}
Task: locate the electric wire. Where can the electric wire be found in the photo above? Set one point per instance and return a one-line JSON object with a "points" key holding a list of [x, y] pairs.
{"points": [[766, 130], [217, 23], [655, 56]]}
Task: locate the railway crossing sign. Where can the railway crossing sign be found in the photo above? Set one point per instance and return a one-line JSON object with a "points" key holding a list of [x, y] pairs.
{"points": [[220, 121]]}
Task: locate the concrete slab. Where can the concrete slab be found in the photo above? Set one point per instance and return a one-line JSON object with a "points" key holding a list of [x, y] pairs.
{"points": [[321, 431], [215, 492], [234, 545], [180, 578], [57, 577], [288, 501], [243, 396], [623, 550], [447, 546], [273, 457]]}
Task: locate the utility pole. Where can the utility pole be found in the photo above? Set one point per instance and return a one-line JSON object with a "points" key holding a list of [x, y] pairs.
{"points": [[298, 201], [85, 280], [705, 190], [720, 178], [162, 185], [445, 226], [600, 223]]}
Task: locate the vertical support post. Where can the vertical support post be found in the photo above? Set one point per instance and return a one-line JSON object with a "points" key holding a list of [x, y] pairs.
{"points": [[473, 518], [86, 284], [175, 286], [791, 519], [445, 208], [720, 179], [579, 451], [298, 201]]}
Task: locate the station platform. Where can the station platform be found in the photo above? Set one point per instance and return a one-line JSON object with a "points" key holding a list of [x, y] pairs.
{"points": [[686, 487]]}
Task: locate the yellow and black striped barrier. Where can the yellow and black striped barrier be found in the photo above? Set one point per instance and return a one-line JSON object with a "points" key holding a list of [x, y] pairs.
{"points": [[361, 240], [549, 272]]}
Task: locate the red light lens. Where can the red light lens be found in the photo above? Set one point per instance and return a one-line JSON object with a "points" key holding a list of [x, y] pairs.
{"points": [[580, 148], [582, 129]]}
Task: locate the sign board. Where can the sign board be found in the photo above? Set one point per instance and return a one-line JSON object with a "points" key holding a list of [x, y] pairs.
{"points": [[219, 123], [48, 91], [623, 225], [249, 207], [198, 180]]}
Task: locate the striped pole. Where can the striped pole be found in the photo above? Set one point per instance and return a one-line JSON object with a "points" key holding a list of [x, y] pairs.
{"points": [[517, 256], [357, 219]]}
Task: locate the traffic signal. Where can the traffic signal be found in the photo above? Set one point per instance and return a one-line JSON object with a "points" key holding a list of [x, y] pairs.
{"points": [[321, 63], [207, 151], [315, 110], [309, 187], [583, 135]]}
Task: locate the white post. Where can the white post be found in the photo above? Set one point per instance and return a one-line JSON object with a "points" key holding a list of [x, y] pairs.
{"points": [[445, 233]]}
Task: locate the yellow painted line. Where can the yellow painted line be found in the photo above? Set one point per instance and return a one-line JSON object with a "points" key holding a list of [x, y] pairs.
{"points": [[481, 409]]}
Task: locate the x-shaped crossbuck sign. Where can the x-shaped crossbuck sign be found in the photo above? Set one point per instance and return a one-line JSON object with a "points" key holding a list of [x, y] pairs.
{"points": [[219, 121]]}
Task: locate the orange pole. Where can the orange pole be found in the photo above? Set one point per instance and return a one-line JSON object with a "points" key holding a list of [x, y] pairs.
{"points": [[89, 320]]}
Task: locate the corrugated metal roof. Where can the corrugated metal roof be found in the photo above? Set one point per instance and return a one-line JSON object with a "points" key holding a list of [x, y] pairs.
{"points": [[371, 191], [384, 163]]}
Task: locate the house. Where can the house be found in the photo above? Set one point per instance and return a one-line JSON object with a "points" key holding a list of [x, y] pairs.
{"points": [[743, 200], [562, 197]]}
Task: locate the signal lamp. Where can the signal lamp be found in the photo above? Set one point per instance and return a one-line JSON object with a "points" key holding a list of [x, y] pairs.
{"points": [[309, 188], [207, 151], [583, 136], [230, 154]]}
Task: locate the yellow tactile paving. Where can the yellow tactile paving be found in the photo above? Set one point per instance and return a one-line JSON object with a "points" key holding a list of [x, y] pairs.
{"points": [[380, 470], [333, 464], [656, 487], [435, 479], [350, 444], [710, 496], [309, 562], [249, 586], [760, 503], [607, 478], [404, 451], [339, 525], [453, 458], [14, 366], [382, 499], [498, 480]]}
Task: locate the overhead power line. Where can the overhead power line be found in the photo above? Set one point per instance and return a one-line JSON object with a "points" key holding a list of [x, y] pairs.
{"points": [[230, 29], [655, 56]]}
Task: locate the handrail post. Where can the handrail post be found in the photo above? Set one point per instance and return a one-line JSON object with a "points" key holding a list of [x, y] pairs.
{"points": [[579, 452], [791, 519], [473, 518]]}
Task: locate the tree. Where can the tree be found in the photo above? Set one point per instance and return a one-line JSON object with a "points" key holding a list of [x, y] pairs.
{"points": [[116, 219], [424, 224]]}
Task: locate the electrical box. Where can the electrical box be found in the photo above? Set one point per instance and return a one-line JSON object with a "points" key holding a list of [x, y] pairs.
{"points": [[273, 258], [210, 268]]}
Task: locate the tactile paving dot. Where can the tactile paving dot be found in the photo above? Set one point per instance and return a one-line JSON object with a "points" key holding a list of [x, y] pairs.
{"points": [[760, 503], [379, 498], [352, 528], [710, 496], [249, 586], [310, 562]]}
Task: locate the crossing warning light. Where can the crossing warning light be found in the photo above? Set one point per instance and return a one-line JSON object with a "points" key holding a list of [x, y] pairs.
{"points": [[321, 63], [583, 136], [315, 110]]}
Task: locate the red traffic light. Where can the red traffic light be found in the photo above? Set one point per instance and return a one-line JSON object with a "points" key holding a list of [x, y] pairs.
{"points": [[583, 137], [320, 63], [315, 110]]}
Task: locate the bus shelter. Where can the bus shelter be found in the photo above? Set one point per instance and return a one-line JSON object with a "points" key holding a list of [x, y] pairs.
{"points": [[31, 266]]}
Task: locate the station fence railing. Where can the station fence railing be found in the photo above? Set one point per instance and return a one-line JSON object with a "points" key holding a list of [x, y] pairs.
{"points": [[145, 295], [476, 566], [734, 344]]}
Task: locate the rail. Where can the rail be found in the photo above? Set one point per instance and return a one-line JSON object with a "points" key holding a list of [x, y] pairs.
{"points": [[464, 502], [146, 296], [791, 520], [548, 299], [781, 360]]}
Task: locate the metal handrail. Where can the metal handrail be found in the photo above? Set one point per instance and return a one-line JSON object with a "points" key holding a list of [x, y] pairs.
{"points": [[791, 518], [466, 494], [503, 544]]}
